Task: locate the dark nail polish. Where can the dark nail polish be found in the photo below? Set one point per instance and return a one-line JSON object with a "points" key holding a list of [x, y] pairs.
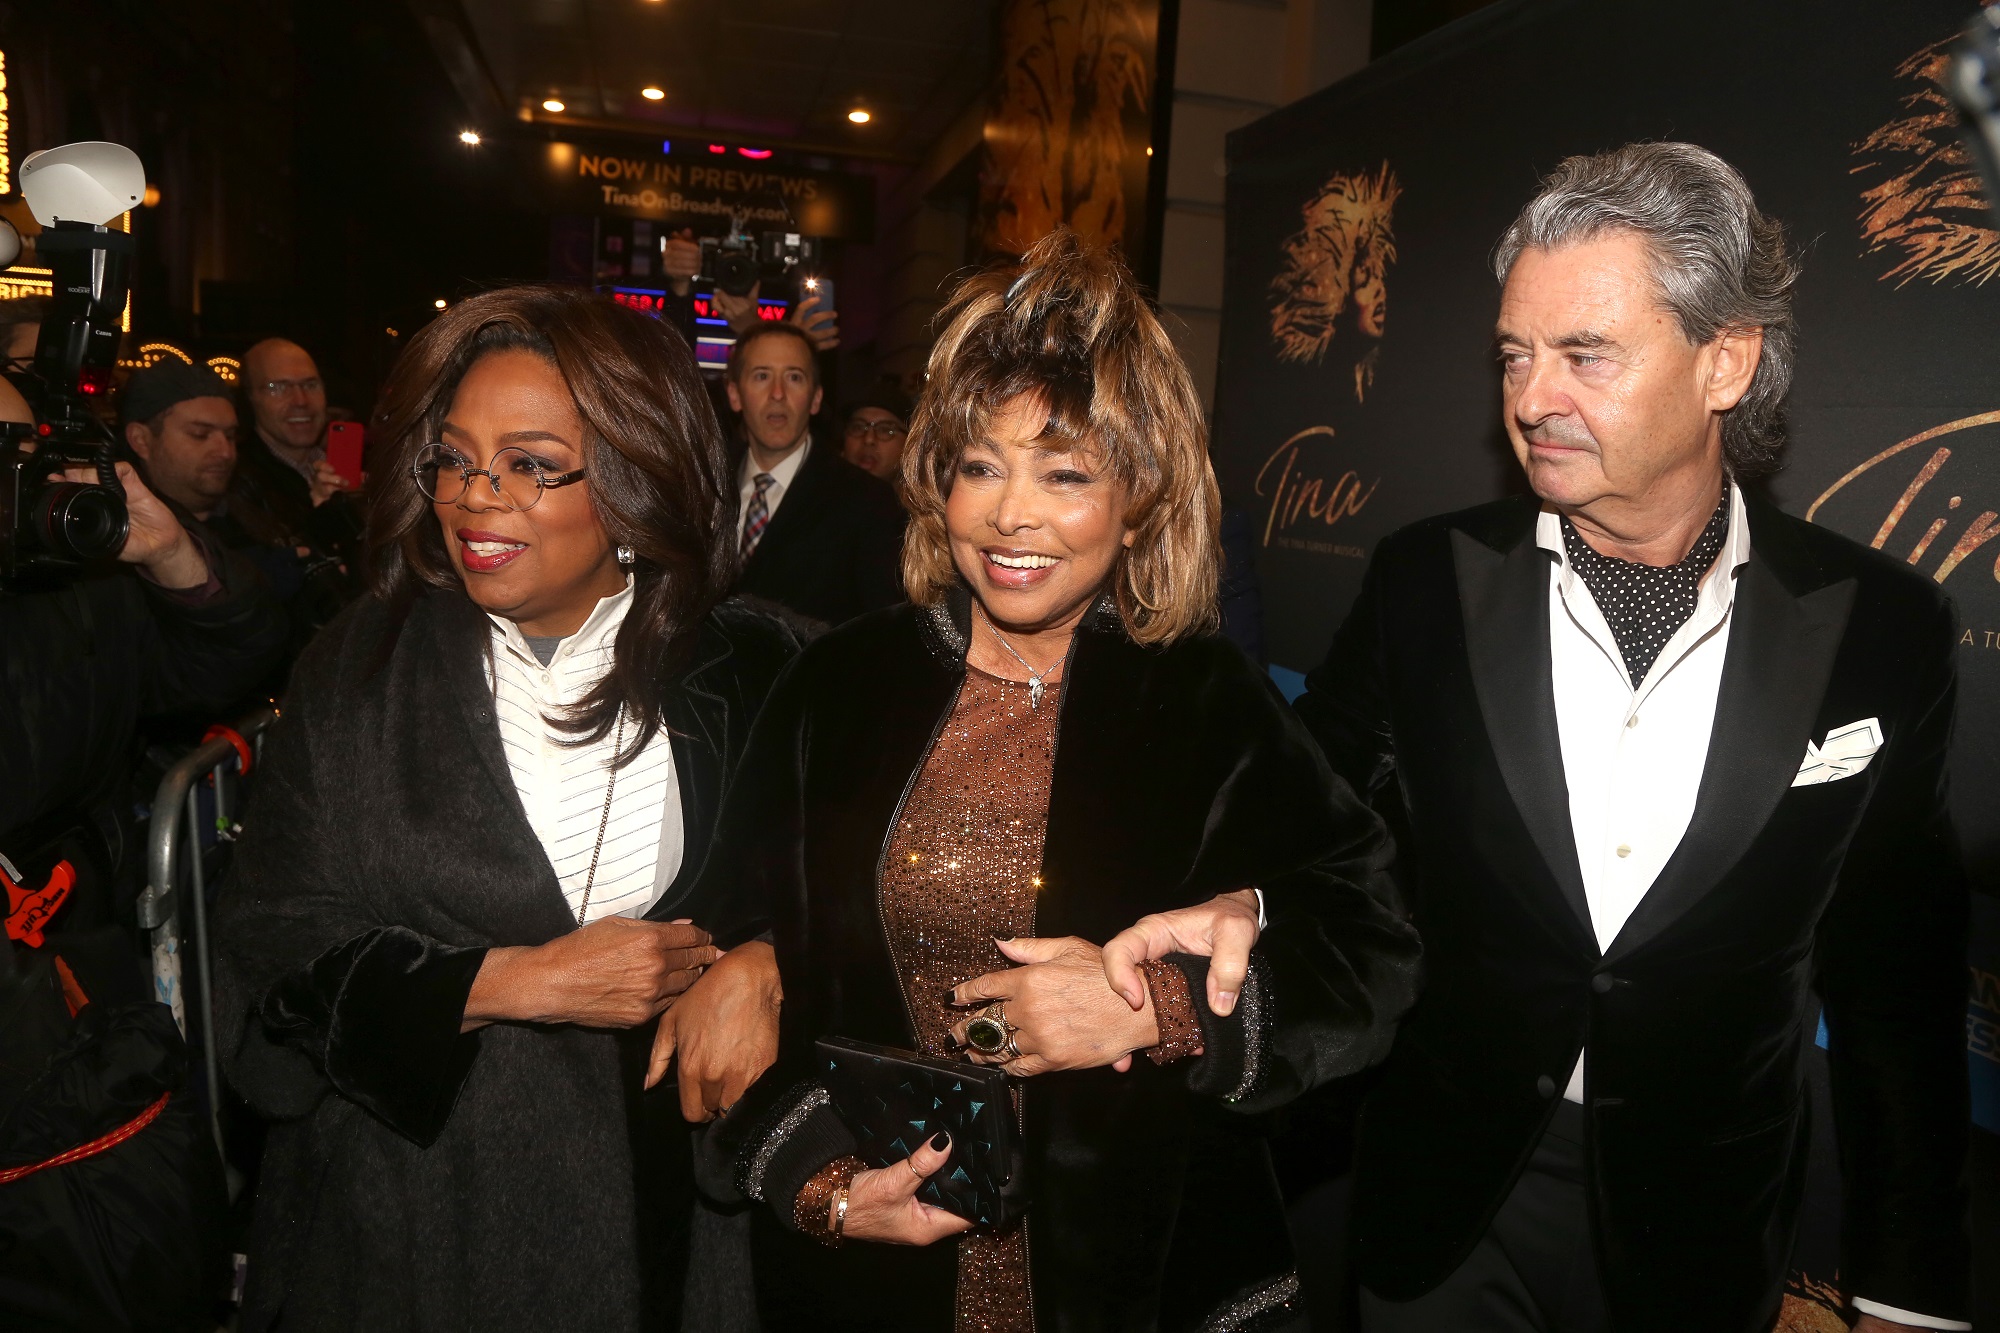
{"points": [[951, 995], [940, 1141]]}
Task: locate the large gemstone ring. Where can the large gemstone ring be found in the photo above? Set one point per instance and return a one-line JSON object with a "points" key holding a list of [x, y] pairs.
{"points": [[987, 1031]]}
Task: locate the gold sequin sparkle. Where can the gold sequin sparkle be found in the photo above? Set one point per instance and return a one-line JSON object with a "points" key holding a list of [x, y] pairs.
{"points": [[963, 868]]}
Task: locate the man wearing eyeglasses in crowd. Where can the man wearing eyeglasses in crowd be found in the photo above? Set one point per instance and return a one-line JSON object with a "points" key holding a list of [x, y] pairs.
{"points": [[877, 424], [283, 456]]}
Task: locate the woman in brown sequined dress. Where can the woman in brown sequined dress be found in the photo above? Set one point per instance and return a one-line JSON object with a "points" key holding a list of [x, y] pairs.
{"points": [[948, 807]]}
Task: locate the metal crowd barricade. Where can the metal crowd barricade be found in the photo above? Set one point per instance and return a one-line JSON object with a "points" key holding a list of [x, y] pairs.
{"points": [[176, 888]]}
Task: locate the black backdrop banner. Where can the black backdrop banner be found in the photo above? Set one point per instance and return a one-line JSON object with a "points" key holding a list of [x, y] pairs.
{"points": [[1358, 390]]}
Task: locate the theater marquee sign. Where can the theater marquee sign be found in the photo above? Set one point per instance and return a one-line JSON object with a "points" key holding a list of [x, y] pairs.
{"points": [[697, 189]]}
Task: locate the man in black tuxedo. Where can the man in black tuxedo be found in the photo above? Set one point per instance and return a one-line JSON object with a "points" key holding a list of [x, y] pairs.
{"points": [[817, 535], [1672, 771]]}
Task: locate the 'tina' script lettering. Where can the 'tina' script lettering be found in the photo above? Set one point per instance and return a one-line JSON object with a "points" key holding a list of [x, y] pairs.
{"points": [[1300, 489], [1929, 463]]}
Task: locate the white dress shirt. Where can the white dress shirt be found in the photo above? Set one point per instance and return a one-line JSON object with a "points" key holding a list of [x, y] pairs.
{"points": [[562, 785], [1633, 757], [781, 477]]}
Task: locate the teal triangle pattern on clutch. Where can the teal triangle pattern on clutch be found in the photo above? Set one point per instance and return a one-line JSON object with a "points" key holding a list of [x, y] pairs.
{"points": [[889, 1118]]}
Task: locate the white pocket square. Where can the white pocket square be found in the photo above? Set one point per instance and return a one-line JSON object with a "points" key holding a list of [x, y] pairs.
{"points": [[1845, 752]]}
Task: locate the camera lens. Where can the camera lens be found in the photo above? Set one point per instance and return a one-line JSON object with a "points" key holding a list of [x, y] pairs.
{"points": [[735, 272], [77, 521]]}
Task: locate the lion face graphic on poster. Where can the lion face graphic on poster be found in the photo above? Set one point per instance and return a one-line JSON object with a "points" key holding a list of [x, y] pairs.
{"points": [[1333, 291], [1924, 206]]}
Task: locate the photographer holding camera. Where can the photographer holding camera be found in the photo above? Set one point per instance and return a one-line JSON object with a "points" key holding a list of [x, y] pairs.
{"points": [[111, 609], [739, 265], [163, 631]]}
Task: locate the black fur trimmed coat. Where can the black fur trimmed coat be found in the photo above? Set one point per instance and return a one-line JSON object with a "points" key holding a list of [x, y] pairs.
{"points": [[1179, 774], [416, 1177]]}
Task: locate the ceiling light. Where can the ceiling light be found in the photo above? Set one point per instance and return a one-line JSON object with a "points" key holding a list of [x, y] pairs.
{"points": [[1149, 150], [439, 303], [652, 94], [553, 104], [469, 137], [858, 116]]}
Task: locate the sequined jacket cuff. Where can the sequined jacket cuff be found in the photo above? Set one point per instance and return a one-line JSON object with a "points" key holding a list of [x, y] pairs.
{"points": [[1235, 1059], [1174, 1008], [812, 1210], [799, 1136]]}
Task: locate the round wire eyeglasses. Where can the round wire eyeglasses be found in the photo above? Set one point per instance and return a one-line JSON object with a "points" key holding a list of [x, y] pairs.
{"points": [[518, 480]]}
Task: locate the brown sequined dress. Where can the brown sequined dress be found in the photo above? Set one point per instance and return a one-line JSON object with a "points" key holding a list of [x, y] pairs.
{"points": [[963, 867]]}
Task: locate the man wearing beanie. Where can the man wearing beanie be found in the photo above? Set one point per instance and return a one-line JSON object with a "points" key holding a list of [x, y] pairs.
{"points": [[179, 422]]}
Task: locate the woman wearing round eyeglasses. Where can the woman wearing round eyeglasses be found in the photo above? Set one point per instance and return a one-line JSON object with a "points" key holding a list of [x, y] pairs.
{"points": [[458, 908]]}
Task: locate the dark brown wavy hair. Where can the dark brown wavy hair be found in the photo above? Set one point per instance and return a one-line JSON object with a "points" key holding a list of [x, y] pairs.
{"points": [[658, 475]]}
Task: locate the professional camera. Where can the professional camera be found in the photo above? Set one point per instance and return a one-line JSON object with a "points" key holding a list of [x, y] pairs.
{"points": [[51, 527], [739, 261]]}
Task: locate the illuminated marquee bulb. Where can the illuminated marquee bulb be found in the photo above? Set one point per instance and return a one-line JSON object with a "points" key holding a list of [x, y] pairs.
{"points": [[652, 94], [553, 104], [859, 116]]}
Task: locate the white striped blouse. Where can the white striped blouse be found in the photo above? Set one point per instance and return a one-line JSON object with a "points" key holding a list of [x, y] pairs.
{"points": [[563, 786]]}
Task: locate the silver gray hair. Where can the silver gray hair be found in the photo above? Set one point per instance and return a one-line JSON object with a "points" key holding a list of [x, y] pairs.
{"points": [[1720, 265]]}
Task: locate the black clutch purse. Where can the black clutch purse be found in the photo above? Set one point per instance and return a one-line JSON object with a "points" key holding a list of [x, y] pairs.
{"points": [[892, 1101]]}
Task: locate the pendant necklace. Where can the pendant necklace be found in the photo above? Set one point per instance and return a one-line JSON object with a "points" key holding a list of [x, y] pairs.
{"points": [[603, 820], [1036, 679]]}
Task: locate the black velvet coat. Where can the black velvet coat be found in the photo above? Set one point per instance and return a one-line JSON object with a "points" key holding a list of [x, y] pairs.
{"points": [[417, 1177], [1849, 892], [1179, 774]]}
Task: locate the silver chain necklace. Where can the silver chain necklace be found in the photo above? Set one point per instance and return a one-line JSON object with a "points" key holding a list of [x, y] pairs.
{"points": [[603, 820], [1036, 679]]}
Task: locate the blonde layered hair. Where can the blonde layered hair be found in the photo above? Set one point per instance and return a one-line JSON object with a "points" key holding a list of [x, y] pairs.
{"points": [[1068, 326]]}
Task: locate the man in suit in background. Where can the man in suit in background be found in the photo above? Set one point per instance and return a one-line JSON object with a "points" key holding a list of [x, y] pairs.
{"points": [[817, 535], [1672, 763]]}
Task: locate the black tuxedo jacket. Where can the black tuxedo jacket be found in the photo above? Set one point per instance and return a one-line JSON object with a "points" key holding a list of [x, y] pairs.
{"points": [[834, 549], [1439, 683]]}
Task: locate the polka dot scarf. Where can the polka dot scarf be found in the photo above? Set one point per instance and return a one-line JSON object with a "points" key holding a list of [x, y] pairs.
{"points": [[1645, 604]]}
